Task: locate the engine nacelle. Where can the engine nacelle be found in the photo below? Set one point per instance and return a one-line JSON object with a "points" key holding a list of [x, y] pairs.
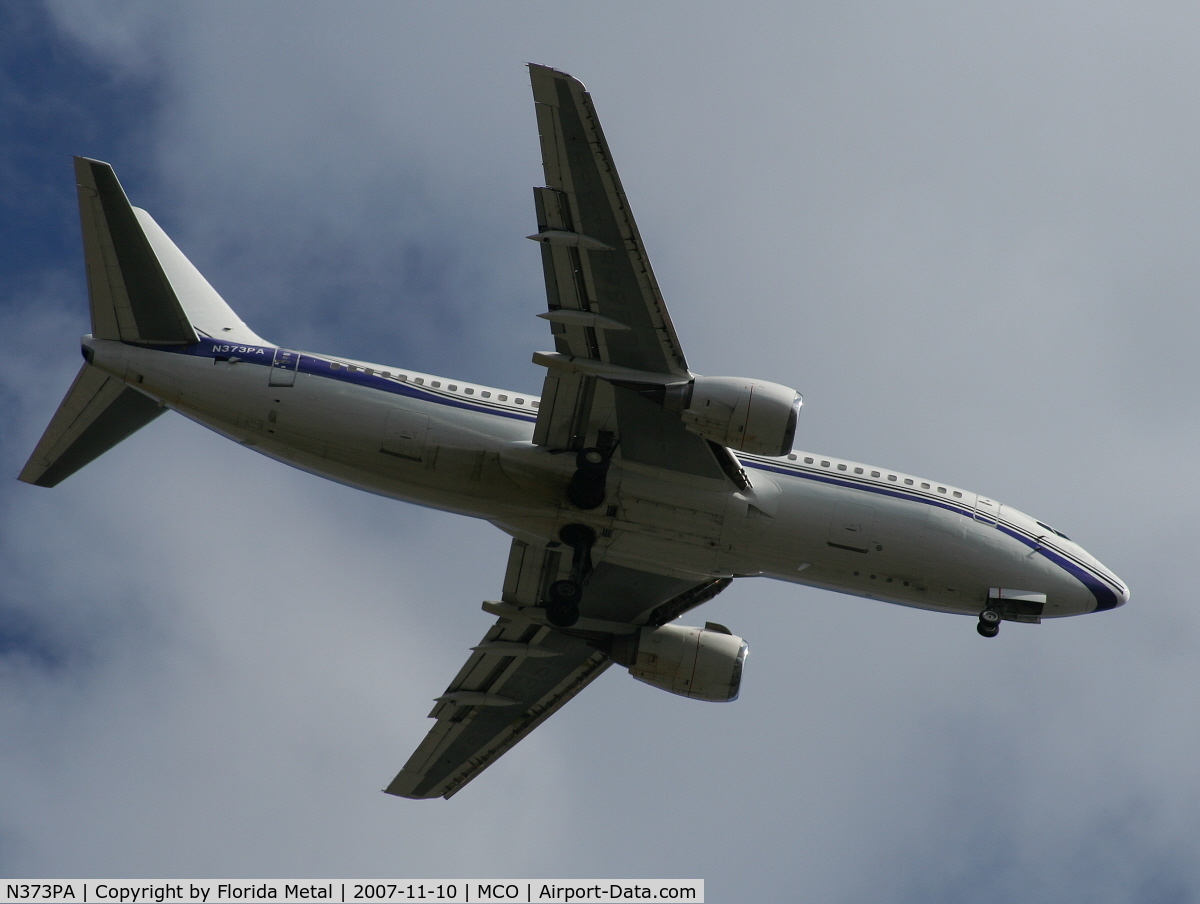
{"points": [[749, 415], [701, 663]]}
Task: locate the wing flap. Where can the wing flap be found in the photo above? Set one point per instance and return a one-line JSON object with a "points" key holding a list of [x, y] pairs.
{"points": [[565, 415]]}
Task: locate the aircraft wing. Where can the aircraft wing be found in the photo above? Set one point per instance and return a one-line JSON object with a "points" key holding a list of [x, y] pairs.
{"points": [[614, 346], [523, 670], [612, 333]]}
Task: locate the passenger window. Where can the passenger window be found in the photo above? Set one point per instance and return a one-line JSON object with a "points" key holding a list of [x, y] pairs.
{"points": [[333, 365], [502, 398], [452, 388], [486, 395], [957, 494], [419, 380], [402, 377], [386, 374], [791, 457], [520, 401], [841, 467], [535, 404], [858, 470], [808, 461], [908, 481], [874, 473], [368, 371], [469, 391], [436, 384], [941, 489], [891, 477], [824, 464]]}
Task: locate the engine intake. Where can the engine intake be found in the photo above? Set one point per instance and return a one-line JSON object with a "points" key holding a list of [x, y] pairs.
{"points": [[701, 663], [750, 415]]}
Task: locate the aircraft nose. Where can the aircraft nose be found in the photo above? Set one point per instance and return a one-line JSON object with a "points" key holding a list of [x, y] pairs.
{"points": [[1115, 592], [1122, 593]]}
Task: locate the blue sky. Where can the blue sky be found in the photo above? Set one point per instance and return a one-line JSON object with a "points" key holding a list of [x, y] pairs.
{"points": [[967, 236]]}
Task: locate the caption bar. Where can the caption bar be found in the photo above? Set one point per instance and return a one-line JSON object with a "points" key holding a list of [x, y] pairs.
{"points": [[453, 892]]}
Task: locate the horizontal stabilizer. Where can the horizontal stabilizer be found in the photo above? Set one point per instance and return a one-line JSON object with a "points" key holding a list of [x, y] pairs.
{"points": [[98, 412], [132, 298]]}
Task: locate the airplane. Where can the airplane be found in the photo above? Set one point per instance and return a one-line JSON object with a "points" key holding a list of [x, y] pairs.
{"points": [[632, 488]]}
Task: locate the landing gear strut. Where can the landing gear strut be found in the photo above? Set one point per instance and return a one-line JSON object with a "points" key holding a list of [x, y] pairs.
{"points": [[989, 623], [562, 597]]}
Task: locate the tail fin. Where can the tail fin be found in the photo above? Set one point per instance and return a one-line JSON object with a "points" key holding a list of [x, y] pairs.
{"points": [[131, 297], [142, 290], [98, 412], [142, 287]]}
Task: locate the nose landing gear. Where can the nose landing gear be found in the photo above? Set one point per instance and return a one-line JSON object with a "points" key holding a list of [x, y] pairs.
{"points": [[989, 623], [562, 597]]}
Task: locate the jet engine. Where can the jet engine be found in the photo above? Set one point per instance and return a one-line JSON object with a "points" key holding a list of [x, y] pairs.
{"points": [[750, 415], [701, 663]]}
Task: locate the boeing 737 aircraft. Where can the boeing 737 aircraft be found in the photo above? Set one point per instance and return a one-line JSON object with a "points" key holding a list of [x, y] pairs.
{"points": [[633, 489]]}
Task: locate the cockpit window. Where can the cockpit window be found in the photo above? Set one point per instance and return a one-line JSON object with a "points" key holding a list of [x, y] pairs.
{"points": [[1053, 531]]}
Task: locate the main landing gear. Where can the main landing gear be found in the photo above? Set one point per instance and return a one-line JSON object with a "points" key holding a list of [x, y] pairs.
{"points": [[989, 623], [562, 597], [589, 482]]}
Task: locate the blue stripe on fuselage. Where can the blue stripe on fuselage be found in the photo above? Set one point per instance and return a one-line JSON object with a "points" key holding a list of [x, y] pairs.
{"points": [[1096, 583], [323, 367]]}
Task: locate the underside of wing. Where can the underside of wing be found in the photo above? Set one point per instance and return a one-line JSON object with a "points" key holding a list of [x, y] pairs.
{"points": [[604, 301], [611, 328], [524, 670], [527, 672]]}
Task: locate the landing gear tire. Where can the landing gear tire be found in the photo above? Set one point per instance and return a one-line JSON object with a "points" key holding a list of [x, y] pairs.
{"points": [[989, 623], [562, 615], [591, 459], [562, 603], [577, 535], [588, 484], [565, 593]]}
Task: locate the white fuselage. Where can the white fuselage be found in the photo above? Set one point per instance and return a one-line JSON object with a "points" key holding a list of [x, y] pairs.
{"points": [[467, 448]]}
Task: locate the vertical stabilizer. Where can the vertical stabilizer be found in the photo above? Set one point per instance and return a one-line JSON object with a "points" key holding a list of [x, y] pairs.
{"points": [[131, 297], [98, 412], [206, 310]]}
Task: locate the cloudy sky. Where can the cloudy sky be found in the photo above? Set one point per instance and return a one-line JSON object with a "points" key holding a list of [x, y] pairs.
{"points": [[967, 233]]}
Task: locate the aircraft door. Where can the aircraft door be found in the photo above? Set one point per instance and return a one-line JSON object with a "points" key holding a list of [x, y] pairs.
{"points": [[283, 368], [987, 511]]}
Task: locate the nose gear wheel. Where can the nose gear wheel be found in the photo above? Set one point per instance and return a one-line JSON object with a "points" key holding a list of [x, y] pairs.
{"points": [[989, 623]]}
